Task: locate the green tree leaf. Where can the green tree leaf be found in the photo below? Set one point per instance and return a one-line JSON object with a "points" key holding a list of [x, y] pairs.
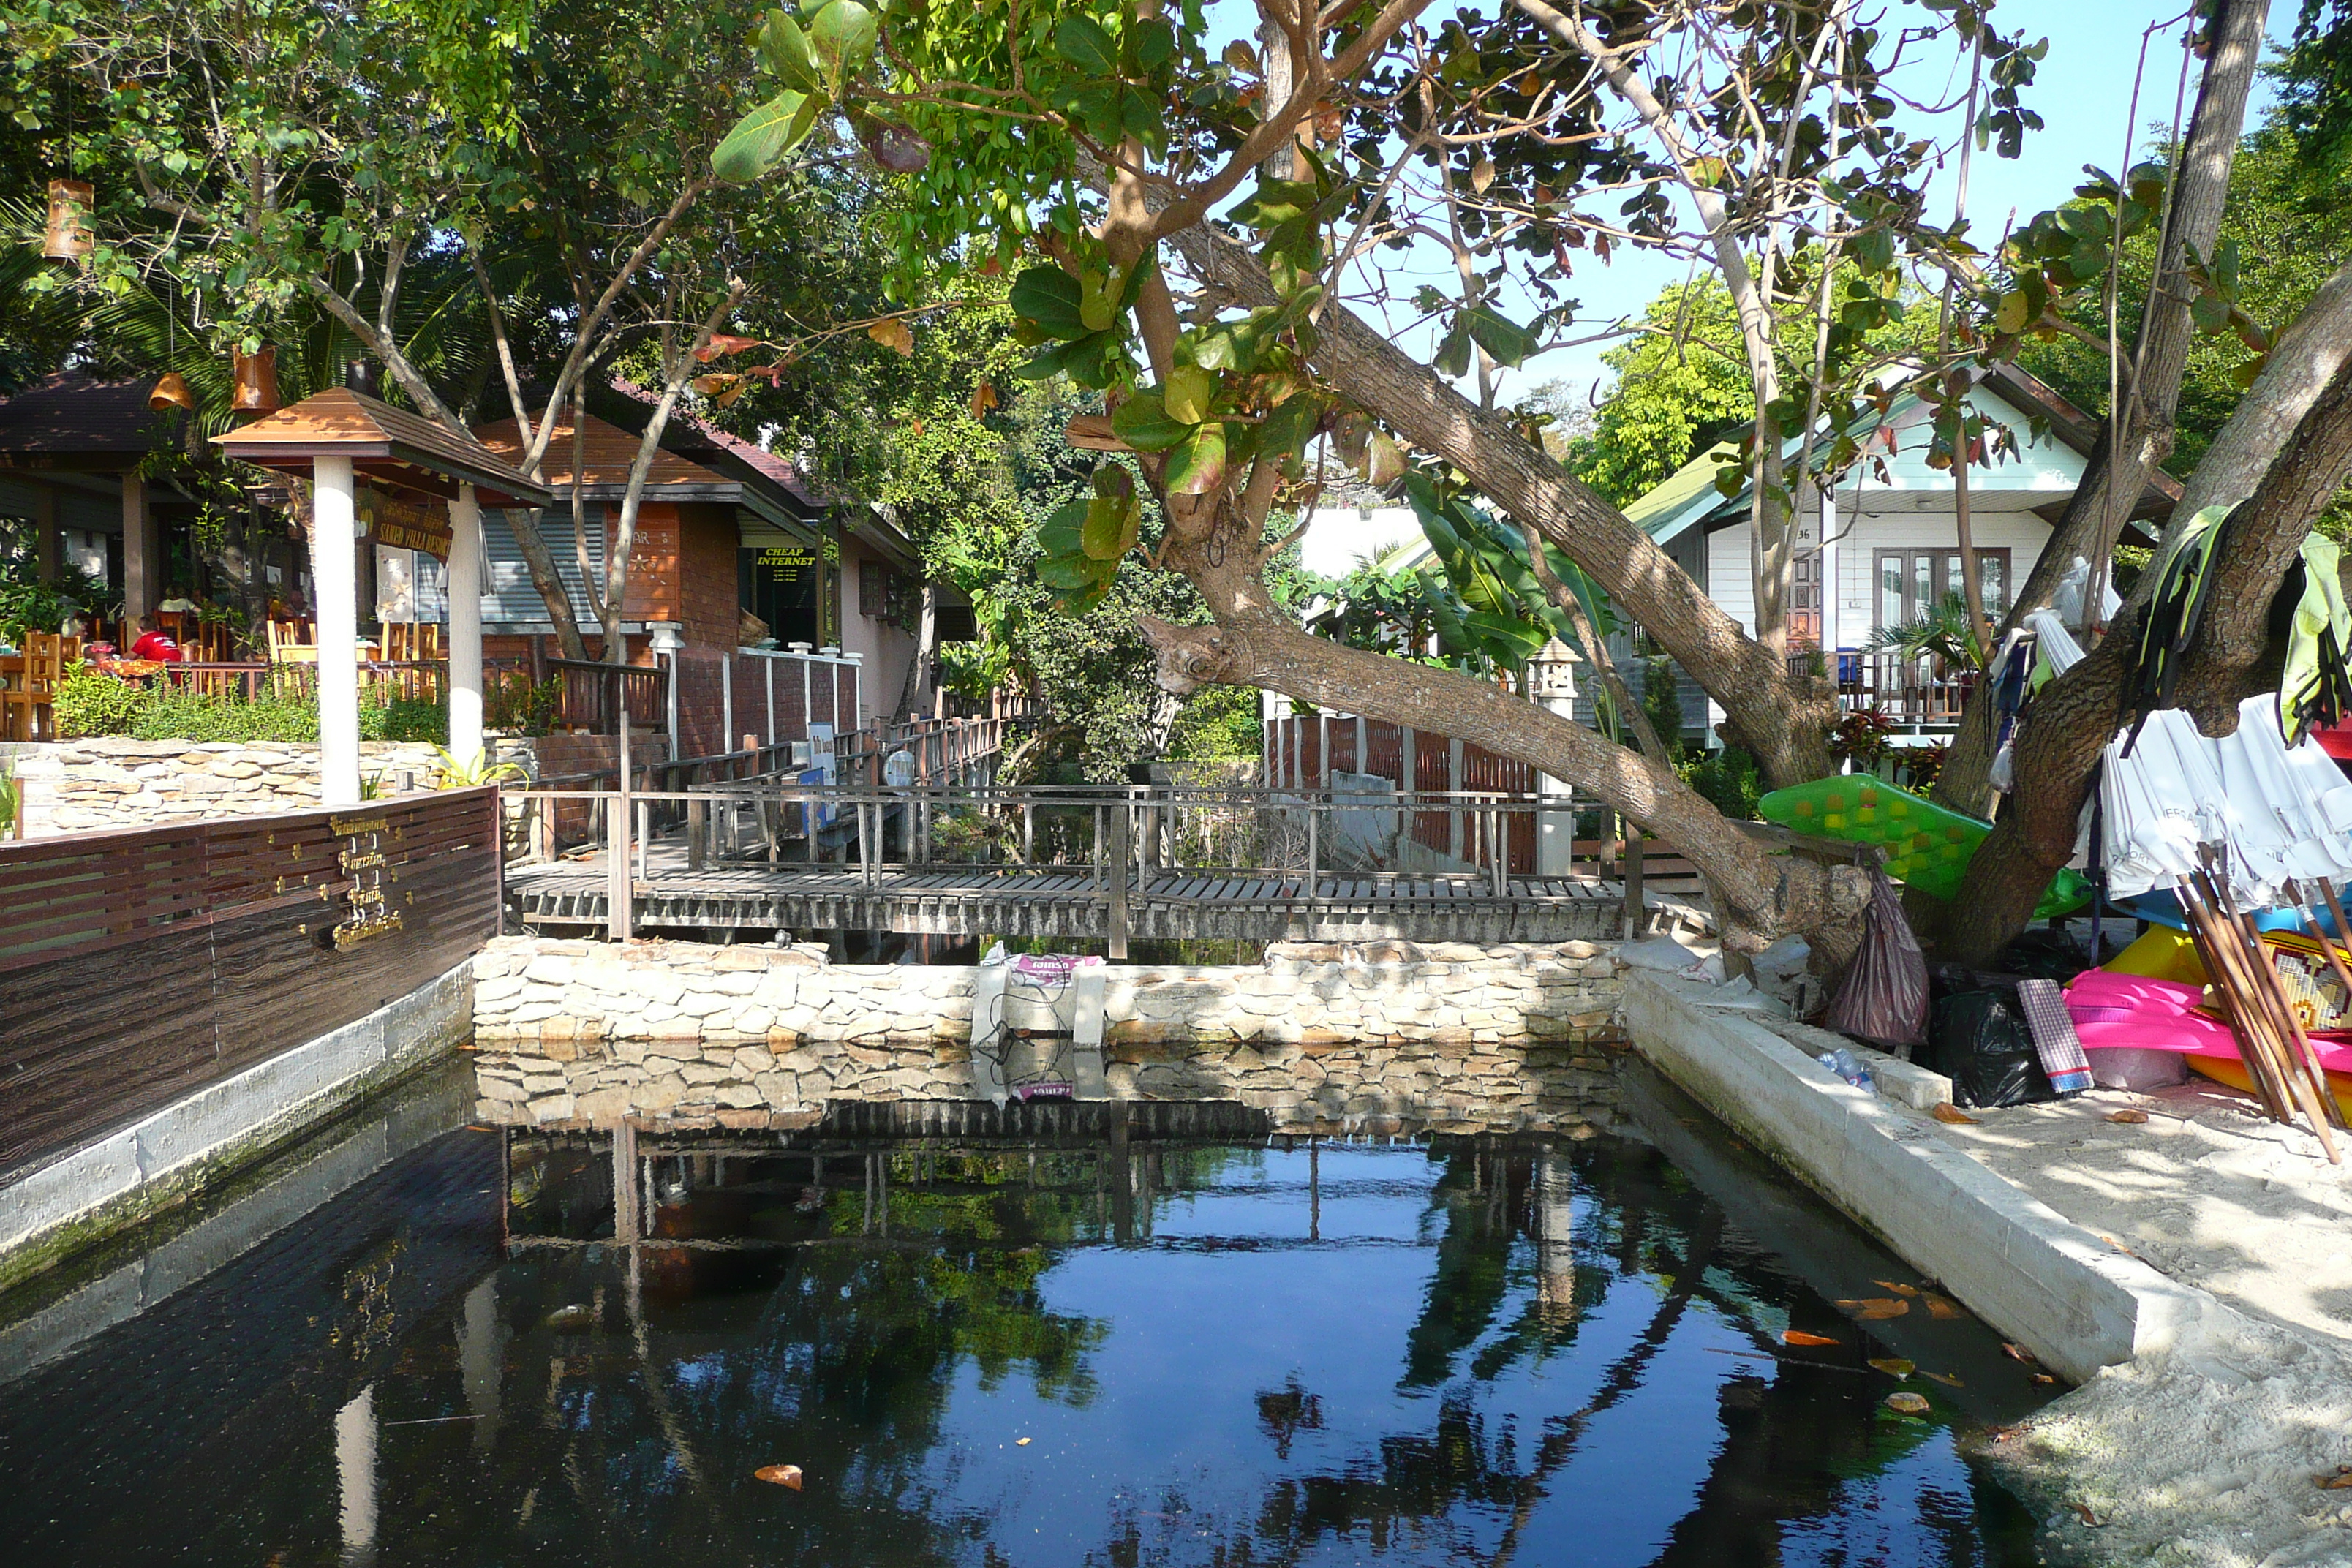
{"points": [[762, 138], [1144, 423], [1187, 393], [1050, 298], [784, 50], [842, 37], [1197, 465], [1081, 41]]}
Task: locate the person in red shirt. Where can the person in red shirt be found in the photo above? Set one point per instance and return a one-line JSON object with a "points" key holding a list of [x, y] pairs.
{"points": [[155, 643]]}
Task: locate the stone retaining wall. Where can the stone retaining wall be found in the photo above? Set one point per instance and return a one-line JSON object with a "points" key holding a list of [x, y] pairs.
{"points": [[110, 781], [1368, 1036]]}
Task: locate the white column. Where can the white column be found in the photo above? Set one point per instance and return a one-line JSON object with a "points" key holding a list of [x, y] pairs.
{"points": [[356, 1439], [335, 576], [465, 624], [1830, 643]]}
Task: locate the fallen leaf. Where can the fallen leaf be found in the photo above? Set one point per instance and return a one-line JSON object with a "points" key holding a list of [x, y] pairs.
{"points": [[1020, 1442], [1946, 1378], [1907, 1403], [1876, 1308], [2044, 1377], [2336, 1482], [2019, 1353], [1898, 1289], [2083, 1510], [1952, 1113], [573, 1320], [1799, 1337], [2128, 1117], [1893, 1365], [1942, 1308], [781, 1475]]}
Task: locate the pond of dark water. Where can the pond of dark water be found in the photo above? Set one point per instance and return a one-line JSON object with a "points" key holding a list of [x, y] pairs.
{"points": [[1171, 1351]]}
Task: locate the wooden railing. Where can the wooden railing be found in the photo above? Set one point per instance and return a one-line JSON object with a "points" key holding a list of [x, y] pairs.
{"points": [[592, 693], [1121, 837], [139, 966]]}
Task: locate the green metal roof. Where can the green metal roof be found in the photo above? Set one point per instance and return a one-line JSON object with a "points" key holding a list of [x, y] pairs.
{"points": [[1684, 497]]}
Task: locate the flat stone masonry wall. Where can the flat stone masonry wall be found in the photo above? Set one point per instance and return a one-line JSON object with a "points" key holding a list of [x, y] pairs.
{"points": [[109, 782], [1368, 1036]]}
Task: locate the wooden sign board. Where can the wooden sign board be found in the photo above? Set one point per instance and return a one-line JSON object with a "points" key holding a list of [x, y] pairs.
{"points": [[404, 524]]}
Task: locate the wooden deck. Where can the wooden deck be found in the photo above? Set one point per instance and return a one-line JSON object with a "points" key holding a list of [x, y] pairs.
{"points": [[1073, 901]]}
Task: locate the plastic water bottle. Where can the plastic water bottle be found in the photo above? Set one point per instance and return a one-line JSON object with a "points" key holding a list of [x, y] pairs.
{"points": [[1843, 1063]]}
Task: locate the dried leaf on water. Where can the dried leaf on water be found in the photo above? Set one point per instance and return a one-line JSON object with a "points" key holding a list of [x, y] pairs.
{"points": [[2128, 1116], [2044, 1377], [1893, 1365], [1952, 1113], [1799, 1337], [2019, 1353], [1022, 1442], [1907, 1403], [575, 1319], [1898, 1289], [780, 1474], [1943, 1309], [1876, 1308], [1946, 1378]]}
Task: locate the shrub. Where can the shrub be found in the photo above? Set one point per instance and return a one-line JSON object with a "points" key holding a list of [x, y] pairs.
{"points": [[1728, 778], [89, 704]]}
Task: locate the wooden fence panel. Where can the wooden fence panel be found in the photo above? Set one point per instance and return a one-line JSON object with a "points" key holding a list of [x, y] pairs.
{"points": [[136, 966]]}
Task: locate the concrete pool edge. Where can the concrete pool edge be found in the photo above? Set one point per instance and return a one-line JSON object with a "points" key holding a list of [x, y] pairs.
{"points": [[2067, 1295], [81, 1197]]}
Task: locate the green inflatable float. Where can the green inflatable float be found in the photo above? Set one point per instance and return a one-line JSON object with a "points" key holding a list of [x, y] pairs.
{"points": [[1928, 846]]}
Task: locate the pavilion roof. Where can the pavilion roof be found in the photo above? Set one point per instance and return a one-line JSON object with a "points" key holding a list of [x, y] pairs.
{"points": [[389, 445]]}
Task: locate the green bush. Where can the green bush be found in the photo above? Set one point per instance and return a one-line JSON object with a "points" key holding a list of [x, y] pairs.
{"points": [[1728, 778], [89, 704]]}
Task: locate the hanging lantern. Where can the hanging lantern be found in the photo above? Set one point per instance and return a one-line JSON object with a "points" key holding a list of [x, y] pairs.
{"points": [[256, 382], [67, 238], [171, 392]]}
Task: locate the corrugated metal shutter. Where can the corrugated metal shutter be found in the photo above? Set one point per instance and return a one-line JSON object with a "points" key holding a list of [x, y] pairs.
{"points": [[510, 603]]}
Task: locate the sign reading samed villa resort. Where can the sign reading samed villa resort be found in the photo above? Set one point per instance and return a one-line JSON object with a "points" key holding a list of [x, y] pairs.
{"points": [[404, 524]]}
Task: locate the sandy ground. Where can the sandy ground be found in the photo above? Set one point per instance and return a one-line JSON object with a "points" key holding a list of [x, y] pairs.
{"points": [[2210, 1455], [2207, 1189]]}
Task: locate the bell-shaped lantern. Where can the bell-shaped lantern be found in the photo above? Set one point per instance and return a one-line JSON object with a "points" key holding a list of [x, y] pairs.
{"points": [[171, 392], [257, 380], [68, 236]]}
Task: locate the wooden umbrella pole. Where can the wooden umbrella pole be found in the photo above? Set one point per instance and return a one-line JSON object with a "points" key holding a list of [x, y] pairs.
{"points": [[2222, 964], [2269, 993]]}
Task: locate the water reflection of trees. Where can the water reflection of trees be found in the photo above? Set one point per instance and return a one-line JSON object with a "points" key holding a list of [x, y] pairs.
{"points": [[827, 1315]]}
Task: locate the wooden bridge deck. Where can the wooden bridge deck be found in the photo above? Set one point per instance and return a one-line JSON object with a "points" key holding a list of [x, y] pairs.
{"points": [[1072, 901]]}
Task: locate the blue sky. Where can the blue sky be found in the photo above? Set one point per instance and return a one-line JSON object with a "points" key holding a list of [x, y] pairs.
{"points": [[2083, 93]]}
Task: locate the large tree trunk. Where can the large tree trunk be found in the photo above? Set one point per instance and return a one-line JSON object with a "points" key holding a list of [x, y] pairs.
{"points": [[2073, 718], [1783, 720], [2151, 381]]}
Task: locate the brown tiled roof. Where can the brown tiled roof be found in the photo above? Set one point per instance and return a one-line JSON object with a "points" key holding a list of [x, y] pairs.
{"points": [[687, 429], [339, 422], [73, 412], [609, 451]]}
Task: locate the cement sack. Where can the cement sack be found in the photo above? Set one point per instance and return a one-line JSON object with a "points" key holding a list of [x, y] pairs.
{"points": [[1666, 953]]}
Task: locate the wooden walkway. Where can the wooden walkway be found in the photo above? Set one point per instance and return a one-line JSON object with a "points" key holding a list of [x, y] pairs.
{"points": [[1073, 901]]}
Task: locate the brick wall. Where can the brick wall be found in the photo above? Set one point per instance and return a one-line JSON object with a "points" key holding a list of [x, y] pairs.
{"points": [[709, 596]]}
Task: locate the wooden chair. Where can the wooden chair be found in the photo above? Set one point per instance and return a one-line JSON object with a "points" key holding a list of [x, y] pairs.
{"points": [[28, 710], [293, 642]]}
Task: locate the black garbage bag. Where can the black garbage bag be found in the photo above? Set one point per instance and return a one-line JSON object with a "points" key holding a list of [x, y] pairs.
{"points": [[1883, 997], [1983, 1045]]}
